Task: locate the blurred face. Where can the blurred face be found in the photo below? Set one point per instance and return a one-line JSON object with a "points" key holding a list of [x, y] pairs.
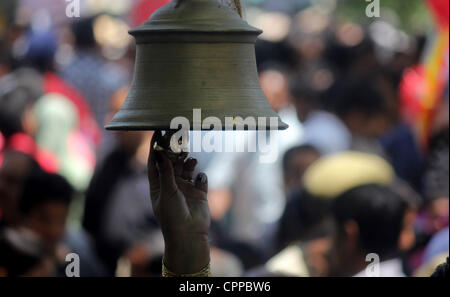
{"points": [[14, 169], [300, 163], [276, 88], [316, 257], [49, 221]]}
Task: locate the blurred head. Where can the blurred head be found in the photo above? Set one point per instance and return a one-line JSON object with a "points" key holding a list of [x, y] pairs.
{"points": [[309, 90], [16, 111], [42, 47], [306, 100], [295, 162], [331, 176], [350, 50], [44, 204], [360, 102], [274, 83], [13, 171], [369, 219]]}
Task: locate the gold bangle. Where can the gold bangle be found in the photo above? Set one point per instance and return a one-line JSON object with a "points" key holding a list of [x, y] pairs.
{"points": [[205, 272]]}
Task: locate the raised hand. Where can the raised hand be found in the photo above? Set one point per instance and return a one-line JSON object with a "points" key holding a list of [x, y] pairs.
{"points": [[181, 208]]}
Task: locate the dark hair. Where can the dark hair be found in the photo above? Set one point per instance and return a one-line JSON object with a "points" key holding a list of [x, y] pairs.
{"points": [[83, 31], [18, 91], [306, 87], [305, 217], [273, 53], [289, 155], [41, 187], [13, 104], [379, 213], [359, 94]]}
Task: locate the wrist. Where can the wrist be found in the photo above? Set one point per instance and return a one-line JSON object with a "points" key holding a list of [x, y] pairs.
{"points": [[186, 253]]}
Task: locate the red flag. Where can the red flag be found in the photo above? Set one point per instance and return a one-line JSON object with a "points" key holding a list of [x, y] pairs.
{"points": [[440, 10], [144, 9]]}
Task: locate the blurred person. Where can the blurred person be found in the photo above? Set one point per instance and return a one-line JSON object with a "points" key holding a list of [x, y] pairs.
{"points": [[434, 215], [436, 252], [40, 55], [321, 128], [370, 219], [437, 183], [44, 204], [23, 254], [19, 92], [307, 35], [240, 204], [89, 72], [399, 142], [14, 169], [117, 213], [295, 162], [16, 103], [65, 124], [351, 51], [306, 222], [362, 106], [44, 207], [58, 131]]}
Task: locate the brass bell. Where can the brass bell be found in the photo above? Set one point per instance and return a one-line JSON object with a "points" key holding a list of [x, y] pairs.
{"points": [[193, 54]]}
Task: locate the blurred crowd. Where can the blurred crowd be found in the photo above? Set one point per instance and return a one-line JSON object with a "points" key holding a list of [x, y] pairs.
{"points": [[361, 174]]}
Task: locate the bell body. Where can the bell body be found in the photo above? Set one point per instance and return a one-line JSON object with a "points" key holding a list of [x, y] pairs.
{"points": [[194, 54]]}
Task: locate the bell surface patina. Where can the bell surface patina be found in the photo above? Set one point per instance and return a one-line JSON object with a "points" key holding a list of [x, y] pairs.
{"points": [[193, 54]]}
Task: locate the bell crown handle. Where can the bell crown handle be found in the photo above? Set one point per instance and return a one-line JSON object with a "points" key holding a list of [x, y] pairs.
{"points": [[234, 5]]}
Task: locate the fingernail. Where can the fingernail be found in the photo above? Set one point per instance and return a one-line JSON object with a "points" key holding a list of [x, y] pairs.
{"points": [[203, 178]]}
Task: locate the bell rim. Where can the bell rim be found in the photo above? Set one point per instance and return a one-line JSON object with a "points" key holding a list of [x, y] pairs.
{"points": [[143, 126]]}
